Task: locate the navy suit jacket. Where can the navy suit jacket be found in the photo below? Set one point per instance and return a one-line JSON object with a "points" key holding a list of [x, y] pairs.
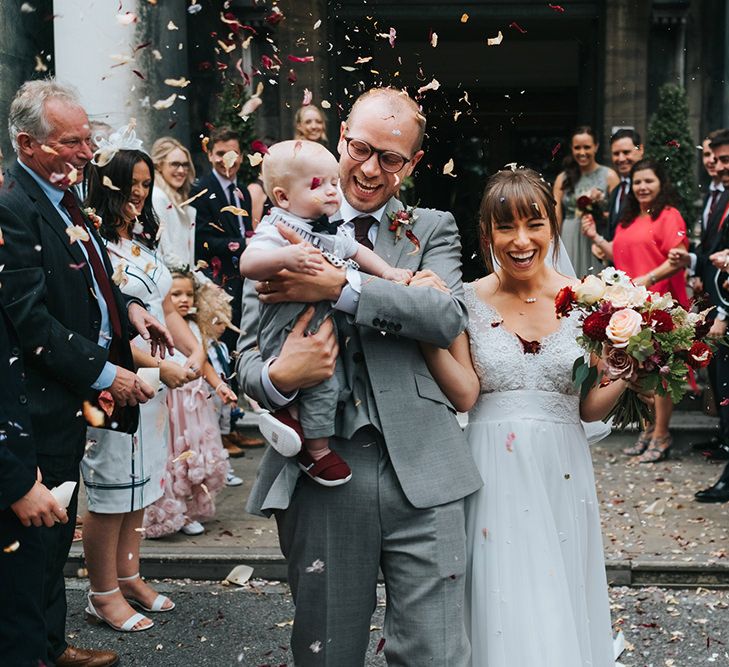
{"points": [[47, 290]]}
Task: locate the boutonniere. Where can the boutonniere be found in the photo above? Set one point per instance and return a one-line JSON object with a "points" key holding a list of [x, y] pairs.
{"points": [[90, 213], [403, 221]]}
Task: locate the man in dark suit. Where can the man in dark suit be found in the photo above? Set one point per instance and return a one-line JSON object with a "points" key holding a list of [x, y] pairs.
{"points": [[625, 150], [25, 506], [72, 320], [223, 219], [712, 263]]}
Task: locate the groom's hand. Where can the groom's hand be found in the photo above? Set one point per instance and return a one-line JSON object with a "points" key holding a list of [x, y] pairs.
{"points": [[305, 359], [285, 286]]}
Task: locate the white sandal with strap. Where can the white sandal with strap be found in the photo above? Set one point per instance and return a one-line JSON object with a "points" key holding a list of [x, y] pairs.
{"points": [[156, 605], [93, 616]]}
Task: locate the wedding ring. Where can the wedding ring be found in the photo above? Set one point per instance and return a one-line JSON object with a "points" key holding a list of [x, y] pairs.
{"points": [[267, 287]]}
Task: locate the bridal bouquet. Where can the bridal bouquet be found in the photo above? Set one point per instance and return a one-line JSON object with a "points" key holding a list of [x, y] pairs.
{"points": [[642, 337]]}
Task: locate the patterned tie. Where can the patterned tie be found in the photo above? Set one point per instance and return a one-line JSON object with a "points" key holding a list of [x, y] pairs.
{"points": [[362, 226], [97, 266]]}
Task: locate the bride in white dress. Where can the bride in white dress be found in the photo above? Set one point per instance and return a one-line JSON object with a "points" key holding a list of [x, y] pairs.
{"points": [[536, 584]]}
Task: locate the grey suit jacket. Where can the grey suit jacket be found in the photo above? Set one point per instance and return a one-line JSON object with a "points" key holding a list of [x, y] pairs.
{"points": [[427, 447]]}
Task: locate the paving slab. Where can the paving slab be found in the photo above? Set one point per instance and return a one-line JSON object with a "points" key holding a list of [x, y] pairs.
{"points": [[655, 533]]}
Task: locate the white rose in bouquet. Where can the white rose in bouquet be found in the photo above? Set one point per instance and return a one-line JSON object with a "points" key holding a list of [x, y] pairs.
{"points": [[590, 290]]}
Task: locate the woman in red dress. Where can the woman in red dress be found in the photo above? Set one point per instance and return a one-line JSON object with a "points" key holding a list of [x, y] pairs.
{"points": [[649, 228]]}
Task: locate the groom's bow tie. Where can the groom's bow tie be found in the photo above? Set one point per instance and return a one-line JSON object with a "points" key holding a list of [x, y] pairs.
{"points": [[322, 225]]}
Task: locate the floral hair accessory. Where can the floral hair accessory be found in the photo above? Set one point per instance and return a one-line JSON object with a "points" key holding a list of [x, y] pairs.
{"points": [[124, 139], [404, 218]]}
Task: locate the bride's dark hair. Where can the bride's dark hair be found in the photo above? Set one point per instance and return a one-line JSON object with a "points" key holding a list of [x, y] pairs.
{"points": [[515, 193]]}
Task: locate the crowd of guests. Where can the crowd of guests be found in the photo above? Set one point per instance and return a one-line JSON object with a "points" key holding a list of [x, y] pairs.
{"points": [[152, 258], [123, 295], [628, 219]]}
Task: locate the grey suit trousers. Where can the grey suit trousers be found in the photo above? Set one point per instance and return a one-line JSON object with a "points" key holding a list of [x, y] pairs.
{"points": [[334, 562]]}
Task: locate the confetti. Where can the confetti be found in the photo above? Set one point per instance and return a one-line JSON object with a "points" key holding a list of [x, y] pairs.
{"points": [[301, 59], [557, 8], [92, 415], [434, 39], [464, 18], [448, 168], [306, 101], [182, 82], [316, 647], [325, 104], [230, 158], [510, 442], [171, 26], [189, 454], [77, 233], [495, 41], [27, 8], [317, 567], [433, 85], [11, 547], [235, 210], [165, 103], [107, 183], [517, 27], [255, 159]]}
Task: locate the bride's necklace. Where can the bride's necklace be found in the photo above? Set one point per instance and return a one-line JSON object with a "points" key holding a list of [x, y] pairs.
{"points": [[531, 299]]}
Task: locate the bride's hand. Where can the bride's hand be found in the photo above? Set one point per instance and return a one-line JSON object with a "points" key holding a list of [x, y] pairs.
{"points": [[427, 278], [648, 396]]}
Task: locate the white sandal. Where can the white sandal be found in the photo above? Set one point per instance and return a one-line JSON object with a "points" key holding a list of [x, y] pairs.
{"points": [[93, 616], [156, 605]]}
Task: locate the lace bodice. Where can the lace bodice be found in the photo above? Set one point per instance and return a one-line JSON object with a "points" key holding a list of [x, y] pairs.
{"points": [[501, 362]]}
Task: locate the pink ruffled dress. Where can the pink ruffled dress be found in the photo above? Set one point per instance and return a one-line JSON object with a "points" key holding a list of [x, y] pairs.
{"points": [[192, 480]]}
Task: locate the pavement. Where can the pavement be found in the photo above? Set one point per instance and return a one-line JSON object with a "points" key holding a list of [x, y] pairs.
{"points": [[655, 534], [250, 626]]}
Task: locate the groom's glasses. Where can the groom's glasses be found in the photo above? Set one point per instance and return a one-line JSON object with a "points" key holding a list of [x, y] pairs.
{"points": [[360, 151]]}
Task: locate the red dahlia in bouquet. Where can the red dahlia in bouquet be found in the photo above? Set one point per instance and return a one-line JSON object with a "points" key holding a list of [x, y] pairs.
{"points": [[642, 337]]}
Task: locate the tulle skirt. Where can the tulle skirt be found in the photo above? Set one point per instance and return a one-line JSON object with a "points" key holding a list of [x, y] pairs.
{"points": [[536, 584], [196, 464]]}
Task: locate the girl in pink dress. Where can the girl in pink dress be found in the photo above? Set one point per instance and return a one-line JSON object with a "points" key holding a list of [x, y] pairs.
{"points": [[197, 463], [650, 227]]}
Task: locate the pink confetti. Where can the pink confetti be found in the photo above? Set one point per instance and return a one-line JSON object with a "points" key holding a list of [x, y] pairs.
{"points": [[301, 59], [724, 403], [510, 442], [555, 150], [233, 246], [315, 183], [557, 8]]}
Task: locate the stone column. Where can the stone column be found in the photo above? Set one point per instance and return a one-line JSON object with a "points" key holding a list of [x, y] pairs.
{"points": [[26, 42], [100, 56], [626, 55]]}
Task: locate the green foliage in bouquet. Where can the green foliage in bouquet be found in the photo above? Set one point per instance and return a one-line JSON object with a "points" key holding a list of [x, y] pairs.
{"points": [[233, 95], [670, 144]]}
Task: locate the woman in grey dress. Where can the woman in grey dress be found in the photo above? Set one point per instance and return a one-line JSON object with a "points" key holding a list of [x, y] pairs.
{"points": [[582, 176]]}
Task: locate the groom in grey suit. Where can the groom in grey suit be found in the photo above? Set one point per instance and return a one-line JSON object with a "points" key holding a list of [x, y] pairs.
{"points": [[402, 511]]}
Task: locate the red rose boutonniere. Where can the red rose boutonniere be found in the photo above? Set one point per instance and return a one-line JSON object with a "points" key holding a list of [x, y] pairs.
{"points": [[403, 221], [90, 213]]}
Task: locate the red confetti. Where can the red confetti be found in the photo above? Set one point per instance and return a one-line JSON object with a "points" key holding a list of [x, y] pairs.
{"points": [[301, 59], [266, 61], [724, 403], [555, 150], [216, 265], [413, 239], [315, 183], [257, 146], [557, 8], [516, 26], [141, 46], [292, 76], [275, 17], [673, 144], [106, 402], [380, 645]]}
